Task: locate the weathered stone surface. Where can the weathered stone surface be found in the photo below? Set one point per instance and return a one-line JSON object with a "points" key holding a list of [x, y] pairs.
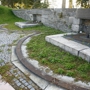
{"points": [[24, 24], [85, 54], [83, 13], [5, 86], [40, 82], [32, 89], [53, 87], [76, 21], [75, 28], [26, 41], [49, 17], [31, 17], [21, 67], [71, 20], [69, 45], [24, 51], [30, 86], [26, 84], [13, 56]]}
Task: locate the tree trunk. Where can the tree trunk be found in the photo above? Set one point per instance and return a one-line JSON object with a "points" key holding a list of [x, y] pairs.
{"points": [[63, 3]]}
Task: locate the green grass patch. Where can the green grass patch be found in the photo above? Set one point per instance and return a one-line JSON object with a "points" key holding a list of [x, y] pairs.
{"points": [[7, 17], [60, 71], [1, 50], [70, 73], [4, 71], [58, 60]]}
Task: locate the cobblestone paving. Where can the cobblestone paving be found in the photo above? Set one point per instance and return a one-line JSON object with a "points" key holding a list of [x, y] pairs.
{"points": [[20, 82]]}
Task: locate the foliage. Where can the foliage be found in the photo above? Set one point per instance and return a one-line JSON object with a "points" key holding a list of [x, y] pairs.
{"points": [[25, 3], [9, 3], [70, 73], [69, 66], [83, 3], [4, 71], [60, 71], [18, 5], [45, 4], [55, 58], [7, 16], [38, 4]]}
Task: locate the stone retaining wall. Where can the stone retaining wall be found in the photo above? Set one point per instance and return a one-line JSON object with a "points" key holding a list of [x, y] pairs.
{"points": [[63, 19]]}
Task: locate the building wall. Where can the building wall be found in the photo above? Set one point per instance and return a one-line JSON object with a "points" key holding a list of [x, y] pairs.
{"points": [[62, 19]]}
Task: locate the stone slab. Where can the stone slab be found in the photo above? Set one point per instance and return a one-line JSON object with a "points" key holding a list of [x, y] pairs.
{"points": [[13, 56], [83, 84], [35, 63], [85, 54], [24, 51], [26, 41], [83, 13], [40, 82], [21, 67], [66, 44], [76, 21], [75, 28], [71, 20], [74, 47], [53, 87], [24, 24], [5, 86]]}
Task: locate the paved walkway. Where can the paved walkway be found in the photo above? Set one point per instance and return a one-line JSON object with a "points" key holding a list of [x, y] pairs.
{"points": [[21, 81]]}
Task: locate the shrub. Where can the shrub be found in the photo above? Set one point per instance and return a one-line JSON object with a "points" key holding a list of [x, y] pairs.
{"points": [[69, 66], [60, 71], [70, 73]]}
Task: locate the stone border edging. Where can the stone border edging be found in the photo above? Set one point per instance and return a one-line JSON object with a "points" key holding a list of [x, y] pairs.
{"points": [[37, 72]]}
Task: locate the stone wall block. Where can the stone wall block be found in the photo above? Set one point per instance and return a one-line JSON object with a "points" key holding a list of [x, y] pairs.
{"points": [[75, 28], [71, 20], [76, 21]]}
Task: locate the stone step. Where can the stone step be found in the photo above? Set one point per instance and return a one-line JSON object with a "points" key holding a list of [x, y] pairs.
{"points": [[72, 47]]}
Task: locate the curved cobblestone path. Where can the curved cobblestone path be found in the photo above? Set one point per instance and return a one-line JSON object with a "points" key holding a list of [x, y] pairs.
{"points": [[21, 81]]}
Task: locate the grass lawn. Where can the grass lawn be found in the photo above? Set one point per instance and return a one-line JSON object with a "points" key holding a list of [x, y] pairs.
{"points": [[58, 60]]}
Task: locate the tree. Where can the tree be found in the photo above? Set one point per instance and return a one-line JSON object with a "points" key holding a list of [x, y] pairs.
{"points": [[63, 3], [45, 4], [38, 4], [70, 4], [83, 3], [27, 3], [9, 3]]}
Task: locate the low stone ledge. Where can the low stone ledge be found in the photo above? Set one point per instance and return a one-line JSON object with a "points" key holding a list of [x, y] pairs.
{"points": [[72, 47], [25, 24], [83, 13]]}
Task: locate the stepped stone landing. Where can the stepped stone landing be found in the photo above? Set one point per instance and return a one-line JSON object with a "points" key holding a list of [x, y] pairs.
{"points": [[25, 24], [72, 47]]}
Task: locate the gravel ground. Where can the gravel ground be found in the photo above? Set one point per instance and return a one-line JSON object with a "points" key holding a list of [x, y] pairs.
{"points": [[20, 82]]}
